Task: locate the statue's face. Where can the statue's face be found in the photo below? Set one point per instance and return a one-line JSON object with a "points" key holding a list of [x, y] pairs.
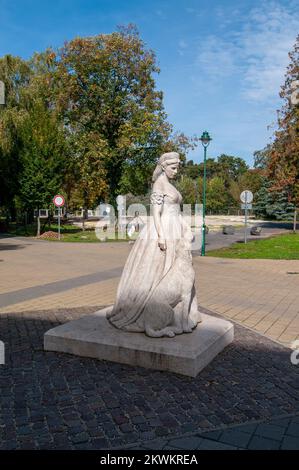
{"points": [[171, 170]]}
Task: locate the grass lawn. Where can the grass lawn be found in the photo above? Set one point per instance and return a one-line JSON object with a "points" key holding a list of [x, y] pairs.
{"points": [[86, 236], [277, 247]]}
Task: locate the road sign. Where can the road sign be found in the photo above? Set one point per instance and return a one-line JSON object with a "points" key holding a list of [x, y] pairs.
{"points": [[58, 200], [246, 196]]}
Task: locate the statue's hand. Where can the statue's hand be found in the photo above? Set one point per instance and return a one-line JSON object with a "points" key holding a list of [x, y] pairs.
{"points": [[162, 244]]}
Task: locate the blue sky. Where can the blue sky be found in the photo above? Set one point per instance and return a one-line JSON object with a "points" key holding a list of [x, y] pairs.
{"points": [[222, 62]]}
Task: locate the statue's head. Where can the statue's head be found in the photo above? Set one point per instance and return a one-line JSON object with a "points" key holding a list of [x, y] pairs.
{"points": [[169, 163]]}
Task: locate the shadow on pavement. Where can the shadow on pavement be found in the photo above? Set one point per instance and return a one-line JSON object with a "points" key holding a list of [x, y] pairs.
{"points": [[277, 225], [8, 246]]}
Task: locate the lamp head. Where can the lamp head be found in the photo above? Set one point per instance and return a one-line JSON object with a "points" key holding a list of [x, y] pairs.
{"points": [[205, 139]]}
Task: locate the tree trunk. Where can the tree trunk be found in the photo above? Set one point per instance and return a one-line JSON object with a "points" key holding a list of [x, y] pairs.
{"points": [[85, 217], [25, 221], [295, 220], [38, 226]]}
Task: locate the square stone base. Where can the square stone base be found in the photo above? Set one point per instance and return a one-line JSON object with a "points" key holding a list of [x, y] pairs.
{"points": [[187, 354]]}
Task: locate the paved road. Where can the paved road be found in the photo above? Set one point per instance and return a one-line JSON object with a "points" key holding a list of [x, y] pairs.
{"points": [[260, 294]]}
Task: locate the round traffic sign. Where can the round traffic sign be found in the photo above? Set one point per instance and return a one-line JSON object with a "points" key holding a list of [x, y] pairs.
{"points": [[246, 196], [58, 200]]}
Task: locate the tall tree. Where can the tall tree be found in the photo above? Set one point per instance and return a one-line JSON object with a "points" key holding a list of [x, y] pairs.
{"points": [[190, 189], [217, 195], [252, 180], [230, 168], [15, 73], [42, 157], [272, 204], [104, 85], [283, 161]]}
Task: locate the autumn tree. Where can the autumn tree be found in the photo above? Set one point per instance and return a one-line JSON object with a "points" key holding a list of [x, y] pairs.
{"points": [[104, 86], [90, 185], [283, 161]]}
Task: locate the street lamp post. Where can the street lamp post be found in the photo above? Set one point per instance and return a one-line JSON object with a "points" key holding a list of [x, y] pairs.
{"points": [[205, 140]]}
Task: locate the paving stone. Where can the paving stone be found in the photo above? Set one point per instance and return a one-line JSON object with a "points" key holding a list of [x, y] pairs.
{"points": [[207, 444], [290, 443], [248, 428], [281, 422], [188, 443], [235, 437], [168, 447], [293, 429], [79, 438], [99, 443], [270, 431], [154, 445], [214, 435], [262, 443]]}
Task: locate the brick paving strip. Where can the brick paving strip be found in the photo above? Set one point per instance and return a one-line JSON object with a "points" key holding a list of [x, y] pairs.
{"points": [[58, 401], [275, 434]]}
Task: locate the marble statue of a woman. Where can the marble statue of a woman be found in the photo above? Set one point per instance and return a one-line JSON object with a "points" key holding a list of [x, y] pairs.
{"points": [[156, 293]]}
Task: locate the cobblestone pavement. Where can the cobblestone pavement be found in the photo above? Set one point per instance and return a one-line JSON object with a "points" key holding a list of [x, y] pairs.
{"points": [[58, 401], [40, 275]]}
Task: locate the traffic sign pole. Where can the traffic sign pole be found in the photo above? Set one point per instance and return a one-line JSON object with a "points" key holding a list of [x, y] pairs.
{"points": [[247, 198], [58, 201], [59, 209], [245, 233]]}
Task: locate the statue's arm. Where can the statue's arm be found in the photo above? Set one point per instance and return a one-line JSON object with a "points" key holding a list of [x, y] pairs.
{"points": [[157, 204]]}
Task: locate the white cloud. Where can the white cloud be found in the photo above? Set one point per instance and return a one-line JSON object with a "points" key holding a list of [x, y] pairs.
{"points": [[217, 57], [182, 47], [256, 53]]}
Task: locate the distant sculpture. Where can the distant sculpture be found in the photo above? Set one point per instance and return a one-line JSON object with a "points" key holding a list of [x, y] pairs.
{"points": [[156, 294]]}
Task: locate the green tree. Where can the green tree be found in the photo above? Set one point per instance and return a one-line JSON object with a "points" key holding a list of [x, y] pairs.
{"points": [[42, 157], [216, 196], [272, 204], [15, 73], [90, 185], [189, 189], [251, 180], [283, 160], [230, 168], [104, 84]]}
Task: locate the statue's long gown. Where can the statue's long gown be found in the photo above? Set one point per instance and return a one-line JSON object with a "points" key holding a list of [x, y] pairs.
{"points": [[147, 264]]}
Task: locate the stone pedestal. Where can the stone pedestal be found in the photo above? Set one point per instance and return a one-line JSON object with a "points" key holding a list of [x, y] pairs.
{"points": [[187, 354]]}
